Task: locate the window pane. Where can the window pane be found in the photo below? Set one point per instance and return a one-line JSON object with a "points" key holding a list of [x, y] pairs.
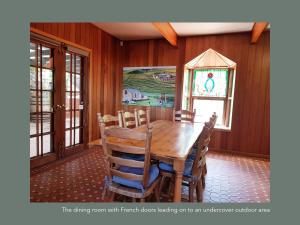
{"points": [[34, 118], [47, 79], [68, 61], [46, 144], [32, 77], [186, 90], [47, 101], [73, 64], [77, 136], [77, 83], [32, 147], [67, 138], [211, 83], [47, 59], [78, 64], [77, 118], [67, 104], [34, 99], [205, 108], [40, 145], [46, 122], [33, 54], [68, 82], [67, 119], [76, 100]]}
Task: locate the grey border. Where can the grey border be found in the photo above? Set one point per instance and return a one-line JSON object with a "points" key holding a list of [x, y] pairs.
{"points": [[14, 167]]}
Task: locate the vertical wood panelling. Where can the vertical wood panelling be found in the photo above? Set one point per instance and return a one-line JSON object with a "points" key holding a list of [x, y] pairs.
{"points": [[105, 50]]}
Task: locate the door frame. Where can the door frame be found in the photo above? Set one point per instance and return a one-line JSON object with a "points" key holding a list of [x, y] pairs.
{"points": [[54, 40]]}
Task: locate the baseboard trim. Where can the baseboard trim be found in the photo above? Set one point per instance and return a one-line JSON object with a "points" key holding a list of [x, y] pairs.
{"points": [[225, 151]]}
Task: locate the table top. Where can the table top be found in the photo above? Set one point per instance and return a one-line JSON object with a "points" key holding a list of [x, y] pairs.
{"points": [[169, 139]]}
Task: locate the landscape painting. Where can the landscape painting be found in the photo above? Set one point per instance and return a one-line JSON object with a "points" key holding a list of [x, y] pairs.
{"points": [[149, 86]]}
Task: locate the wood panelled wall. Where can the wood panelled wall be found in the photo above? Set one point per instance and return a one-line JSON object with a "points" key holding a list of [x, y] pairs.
{"points": [[106, 65], [250, 133]]}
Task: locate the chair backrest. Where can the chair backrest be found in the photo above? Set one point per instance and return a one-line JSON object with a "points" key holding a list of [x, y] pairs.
{"points": [[212, 122], [110, 121], [112, 152], [129, 119], [143, 116], [184, 115], [203, 142]]}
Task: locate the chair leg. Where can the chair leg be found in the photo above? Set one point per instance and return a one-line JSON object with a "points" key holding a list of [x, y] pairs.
{"points": [[204, 169], [191, 192], [157, 193], [199, 191], [204, 172], [203, 181], [133, 200], [162, 182], [142, 200], [112, 196]]}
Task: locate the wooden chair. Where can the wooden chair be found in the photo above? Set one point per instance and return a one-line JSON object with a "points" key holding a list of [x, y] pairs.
{"points": [[143, 117], [129, 119], [184, 115], [128, 177], [192, 172], [210, 127], [110, 121]]}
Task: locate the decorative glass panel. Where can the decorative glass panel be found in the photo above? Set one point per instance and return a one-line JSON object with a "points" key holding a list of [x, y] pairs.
{"points": [[210, 83]]}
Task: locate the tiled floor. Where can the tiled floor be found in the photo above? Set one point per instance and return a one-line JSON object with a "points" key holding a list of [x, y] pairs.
{"points": [[80, 179]]}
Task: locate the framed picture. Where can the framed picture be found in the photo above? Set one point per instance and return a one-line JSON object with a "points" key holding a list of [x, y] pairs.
{"points": [[149, 86]]}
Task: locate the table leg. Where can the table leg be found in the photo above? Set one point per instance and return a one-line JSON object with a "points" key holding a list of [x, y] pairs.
{"points": [[178, 167]]}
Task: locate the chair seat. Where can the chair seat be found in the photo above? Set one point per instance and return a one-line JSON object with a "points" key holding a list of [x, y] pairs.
{"points": [[153, 174], [136, 157], [169, 167]]}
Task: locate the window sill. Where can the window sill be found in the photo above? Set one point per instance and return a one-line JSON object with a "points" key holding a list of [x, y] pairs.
{"points": [[220, 128]]}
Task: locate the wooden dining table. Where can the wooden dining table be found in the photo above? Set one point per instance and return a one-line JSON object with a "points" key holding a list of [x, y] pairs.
{"points": [[171, 143]]}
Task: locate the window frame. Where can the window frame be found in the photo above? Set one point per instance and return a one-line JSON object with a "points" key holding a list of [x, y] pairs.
{"points": [[228, 99]]}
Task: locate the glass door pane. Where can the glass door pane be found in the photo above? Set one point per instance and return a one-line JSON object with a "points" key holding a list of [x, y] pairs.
{"points": [[41, 99], [73, 100]]}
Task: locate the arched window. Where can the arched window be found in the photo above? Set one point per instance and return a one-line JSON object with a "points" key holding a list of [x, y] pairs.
{"points": [[208, 87]]}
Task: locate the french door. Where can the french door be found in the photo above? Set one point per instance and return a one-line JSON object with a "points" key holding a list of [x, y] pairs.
{"points": [[57, 101]]}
